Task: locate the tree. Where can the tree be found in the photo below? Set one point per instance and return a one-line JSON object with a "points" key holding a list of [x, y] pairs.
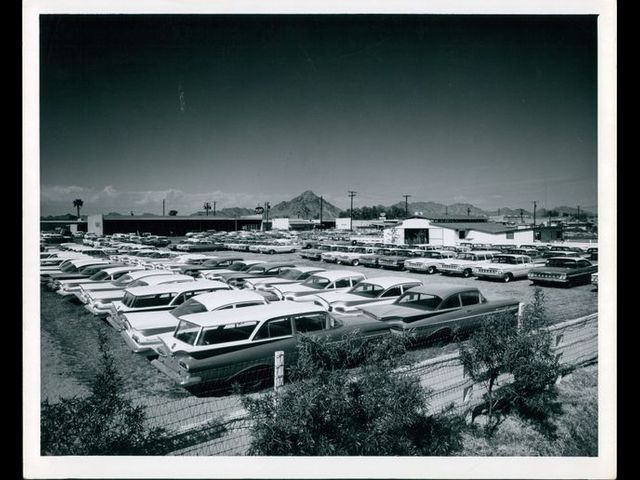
{"points": [[78, 204], [328, 409], [500, 347], [173, 213]]}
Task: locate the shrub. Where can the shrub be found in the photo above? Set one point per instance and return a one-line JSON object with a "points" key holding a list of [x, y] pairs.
{"points": [[331, 410]]}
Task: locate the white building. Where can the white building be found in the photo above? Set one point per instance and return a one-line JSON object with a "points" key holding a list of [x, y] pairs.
{"points": [[453, 231]]}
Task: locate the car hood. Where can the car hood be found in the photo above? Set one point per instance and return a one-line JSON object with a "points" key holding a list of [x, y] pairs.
{"points": [[146, 320]]}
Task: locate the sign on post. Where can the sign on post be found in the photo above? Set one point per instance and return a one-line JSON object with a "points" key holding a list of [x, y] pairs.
{"points": [[278, 371]]}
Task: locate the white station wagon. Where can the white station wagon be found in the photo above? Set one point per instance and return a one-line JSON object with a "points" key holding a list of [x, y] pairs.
{"points": [[99, 303], [329, 281], [506, 267], [373, 291], [141, 329], [158, 297], [465, 262]]}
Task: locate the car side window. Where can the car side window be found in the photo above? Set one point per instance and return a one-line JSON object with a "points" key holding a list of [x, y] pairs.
{"points": [[452, 302], [226, 307], [356, 281], [411, 285], [583, 263], [310, 323], [342, 283], [277, 327], [392, 292], [249, 304], [470, 298]]}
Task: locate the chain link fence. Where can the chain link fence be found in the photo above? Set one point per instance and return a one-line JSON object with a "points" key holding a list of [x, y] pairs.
{"points": [[213, 421]]}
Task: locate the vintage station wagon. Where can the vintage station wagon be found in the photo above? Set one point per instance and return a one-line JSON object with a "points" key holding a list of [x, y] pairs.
{"points": [[239, 345]]}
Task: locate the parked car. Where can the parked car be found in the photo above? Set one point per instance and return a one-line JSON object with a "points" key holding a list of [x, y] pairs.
{"points": [[397, 258], [181, 260], [378, 290], [141, 330], [99, 302], [256, 272], [237, 346], [83, 273], [372, 259], [430, 262], [110, 274], [274, 248], [505, 267], [296, 274], [330, 280], [563, 271], [331, 256], [465, 262], [594, 280], [240, 266], [439, 312], [315, 253], [213, 263], [352, 257], [153, 298], [69, 267], [87, 288]]}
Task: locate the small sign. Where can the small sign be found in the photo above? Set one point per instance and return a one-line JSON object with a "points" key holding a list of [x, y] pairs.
{"points": [[259, 210]]}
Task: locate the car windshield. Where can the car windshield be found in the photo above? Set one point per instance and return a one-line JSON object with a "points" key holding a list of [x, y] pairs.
{"points": [[138, 283], [124, 280], [359, 250], [316, 282], [424, 301], [101, 275], [562, 263], [369, 290], [188, 307], [129, 299], [187, 332], [70, 268]]}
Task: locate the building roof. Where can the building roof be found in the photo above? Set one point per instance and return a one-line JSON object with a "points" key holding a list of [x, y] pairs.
{"points": [[486, 227]]}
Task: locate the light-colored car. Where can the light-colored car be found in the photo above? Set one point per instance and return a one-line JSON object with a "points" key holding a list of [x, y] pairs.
{"points": [[277, 248], [153, 298], [237, 346], [68, 287], [123, 282], [141, 329], [331, 256], [99, 302], [430, 262], [465, 262], [216, 273], [506, 267], [73, 266], [331, 280], [377, 290], [352, 256], [179, 261], [297, 274]]}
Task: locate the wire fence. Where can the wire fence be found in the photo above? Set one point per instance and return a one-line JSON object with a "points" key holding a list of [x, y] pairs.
{"points": [[213, 421]]}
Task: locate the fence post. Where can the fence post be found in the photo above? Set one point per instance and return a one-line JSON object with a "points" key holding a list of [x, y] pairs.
{"points": [[520, 312], [278, 371]]}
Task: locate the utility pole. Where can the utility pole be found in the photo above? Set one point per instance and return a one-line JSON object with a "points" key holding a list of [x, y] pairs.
{"points": [[214, 209], [351, 195], [266, 211], [468, 211], [535, 206], [406, 205], [321, 211], [207, 207], [578, 212], [163, 207]]}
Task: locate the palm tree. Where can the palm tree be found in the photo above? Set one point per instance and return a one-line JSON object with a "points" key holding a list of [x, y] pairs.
{"points": [[78, 204]]}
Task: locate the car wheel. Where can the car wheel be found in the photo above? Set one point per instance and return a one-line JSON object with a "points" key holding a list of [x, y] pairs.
{"points": [[355, 263], [507, 278], [271, 252], [440, 338], [466, 273], [431, 270], [254, 379]]}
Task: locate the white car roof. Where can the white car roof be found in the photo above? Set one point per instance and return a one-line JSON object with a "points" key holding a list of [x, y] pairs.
{"points": [[333, 275], [305, 269], [256, 313], [129, 268], [146, 273], [390, 281], [83, 262], [177, 287], [215, 299]]}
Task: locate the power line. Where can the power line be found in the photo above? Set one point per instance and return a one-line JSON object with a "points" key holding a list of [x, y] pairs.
{"points": [[351, 195]]}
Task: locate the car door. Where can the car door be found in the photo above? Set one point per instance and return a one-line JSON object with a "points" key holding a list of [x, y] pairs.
{"points": [[273, 335]]}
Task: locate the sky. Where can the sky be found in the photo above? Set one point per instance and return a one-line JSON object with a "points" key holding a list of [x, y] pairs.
{"points": [[492, 111]]}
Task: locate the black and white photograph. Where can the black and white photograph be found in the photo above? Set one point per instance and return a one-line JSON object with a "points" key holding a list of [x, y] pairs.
{"points": [[357, 241]]}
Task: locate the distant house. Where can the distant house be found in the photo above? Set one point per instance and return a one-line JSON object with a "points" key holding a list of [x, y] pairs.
{"points": [[423, 230]]}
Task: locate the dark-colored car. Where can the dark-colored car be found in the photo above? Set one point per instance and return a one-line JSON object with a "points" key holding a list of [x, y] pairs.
{"points": [[396, 258], [439, 312], [563, 271], [372, 259]]}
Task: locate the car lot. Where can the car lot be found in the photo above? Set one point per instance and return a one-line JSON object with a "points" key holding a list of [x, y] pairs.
{"points": [[69, 334]]}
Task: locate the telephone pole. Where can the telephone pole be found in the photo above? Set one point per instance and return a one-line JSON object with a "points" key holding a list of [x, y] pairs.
{"points": [[535, 206], [351, 195], [578, 212], [406, 205], [320, 211], [214, 209], [163, 207]]}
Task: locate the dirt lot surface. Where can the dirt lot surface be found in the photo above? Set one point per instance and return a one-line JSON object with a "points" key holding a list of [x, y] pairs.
{"points": [[69, 334]]}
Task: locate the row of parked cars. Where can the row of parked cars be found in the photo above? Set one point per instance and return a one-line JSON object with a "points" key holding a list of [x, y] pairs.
{"points": [[223, 324]]}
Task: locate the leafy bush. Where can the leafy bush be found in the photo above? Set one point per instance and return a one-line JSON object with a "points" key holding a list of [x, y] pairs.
{"points": [[331, 410], [107, 423], [525, 352]]}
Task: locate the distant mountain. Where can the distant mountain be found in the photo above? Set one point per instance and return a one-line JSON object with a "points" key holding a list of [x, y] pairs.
{"points": [[432, 209], [305, 206], [236, 212]]}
